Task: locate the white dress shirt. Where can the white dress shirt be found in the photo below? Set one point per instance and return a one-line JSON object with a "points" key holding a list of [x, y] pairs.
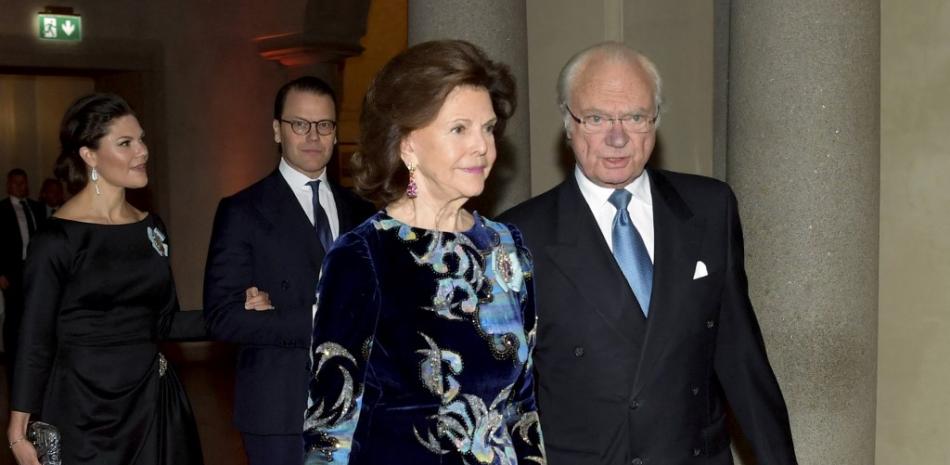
{"points": [[21, 221], [298, 183], [640, 207]]}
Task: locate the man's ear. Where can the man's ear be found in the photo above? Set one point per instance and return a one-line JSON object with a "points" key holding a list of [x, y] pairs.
{"points": [[276, 126]]}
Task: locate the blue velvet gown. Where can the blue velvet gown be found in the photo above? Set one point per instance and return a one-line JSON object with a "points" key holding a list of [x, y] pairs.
{"points": [[422, 349]]}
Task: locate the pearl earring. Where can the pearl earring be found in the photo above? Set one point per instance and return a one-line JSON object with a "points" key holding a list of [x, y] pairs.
{"points": [[94, 175]]}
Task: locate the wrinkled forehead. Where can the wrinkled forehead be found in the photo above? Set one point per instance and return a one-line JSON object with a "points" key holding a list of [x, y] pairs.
{"points": [[613, 85]]}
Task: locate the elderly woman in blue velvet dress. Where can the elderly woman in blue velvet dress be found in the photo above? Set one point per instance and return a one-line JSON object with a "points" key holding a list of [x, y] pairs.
{"points": [[425, 322]]}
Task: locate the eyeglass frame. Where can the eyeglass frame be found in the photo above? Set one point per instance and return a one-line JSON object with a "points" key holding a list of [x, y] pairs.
{"points": [[650, 122], [310, 126]]}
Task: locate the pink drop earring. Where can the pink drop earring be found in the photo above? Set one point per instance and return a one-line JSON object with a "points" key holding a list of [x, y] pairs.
{"points": [[412, 189]]}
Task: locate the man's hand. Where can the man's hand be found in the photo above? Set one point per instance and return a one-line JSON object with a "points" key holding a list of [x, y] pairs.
{"points": [[257, 300]]}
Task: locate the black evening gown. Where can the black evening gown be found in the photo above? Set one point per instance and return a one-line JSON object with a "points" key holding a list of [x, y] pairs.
{"points": [[98, 298]]}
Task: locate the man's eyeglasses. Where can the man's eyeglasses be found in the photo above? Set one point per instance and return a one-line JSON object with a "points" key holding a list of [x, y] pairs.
{"points": [[594, 123], [325, 127]]}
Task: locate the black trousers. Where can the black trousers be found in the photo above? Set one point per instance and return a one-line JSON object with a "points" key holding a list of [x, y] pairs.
{"points": [[273, 449]]}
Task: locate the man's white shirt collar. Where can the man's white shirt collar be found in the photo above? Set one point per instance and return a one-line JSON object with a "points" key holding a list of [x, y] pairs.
{"points": [[295, 178], [598, 196], [640, 207]]}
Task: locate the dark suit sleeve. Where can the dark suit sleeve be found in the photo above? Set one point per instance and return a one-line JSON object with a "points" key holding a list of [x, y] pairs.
{"points": [[228, 274], [8, 228], [47, 270], [741, 363]]}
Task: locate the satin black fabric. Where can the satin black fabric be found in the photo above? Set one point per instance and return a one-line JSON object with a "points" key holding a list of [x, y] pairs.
{"points": [[98, 298]]}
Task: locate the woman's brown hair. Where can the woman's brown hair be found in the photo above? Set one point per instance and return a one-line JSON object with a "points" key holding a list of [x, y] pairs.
{"points": [[407, 95]]}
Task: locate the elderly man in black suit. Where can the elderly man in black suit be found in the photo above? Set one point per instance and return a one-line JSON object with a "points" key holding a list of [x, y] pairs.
{"points": [[645, 325], [274, 235], [19, 219]]}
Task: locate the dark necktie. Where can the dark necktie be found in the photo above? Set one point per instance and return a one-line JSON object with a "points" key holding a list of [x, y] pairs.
{"points": [[630, 252], [321, 224], [30, 221]]}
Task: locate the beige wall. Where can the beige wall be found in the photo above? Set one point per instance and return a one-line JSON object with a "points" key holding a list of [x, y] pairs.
{"points": [[210, 95], [31, 108], [678, 37], [914, 333]]}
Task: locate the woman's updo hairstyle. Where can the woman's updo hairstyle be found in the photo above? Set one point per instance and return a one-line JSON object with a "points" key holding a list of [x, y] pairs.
{"points": [[84, 124]]}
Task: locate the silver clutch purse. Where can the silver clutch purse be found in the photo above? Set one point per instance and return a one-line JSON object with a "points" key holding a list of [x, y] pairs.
{"points": [[45, 438]]}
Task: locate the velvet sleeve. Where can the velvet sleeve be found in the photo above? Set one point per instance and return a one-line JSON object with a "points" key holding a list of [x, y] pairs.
{"points": [[522, 418], [343, 331], [47, 271]]}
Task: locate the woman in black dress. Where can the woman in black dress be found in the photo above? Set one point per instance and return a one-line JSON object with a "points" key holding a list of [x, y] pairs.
{"points": [[99, 295]]}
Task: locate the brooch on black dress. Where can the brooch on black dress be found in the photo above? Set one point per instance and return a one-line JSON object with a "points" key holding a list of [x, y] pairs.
{"points": [[157, 238]]}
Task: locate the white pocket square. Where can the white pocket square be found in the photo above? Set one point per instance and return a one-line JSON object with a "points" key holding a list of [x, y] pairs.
{"points": [[700, 270]]}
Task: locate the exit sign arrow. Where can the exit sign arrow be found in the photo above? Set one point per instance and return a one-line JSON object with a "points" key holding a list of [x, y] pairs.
{"points": [[60, 27]]}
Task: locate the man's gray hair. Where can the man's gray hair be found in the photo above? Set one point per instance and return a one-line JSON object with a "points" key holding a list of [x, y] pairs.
{"points": [[612, 51]]}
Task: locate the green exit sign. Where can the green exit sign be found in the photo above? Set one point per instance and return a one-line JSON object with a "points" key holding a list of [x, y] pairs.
{"points": [[60, 27]]}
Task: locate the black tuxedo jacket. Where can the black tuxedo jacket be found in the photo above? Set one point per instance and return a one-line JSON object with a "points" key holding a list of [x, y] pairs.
{"points": [[617, 388], [11, 244], [262, 237]]}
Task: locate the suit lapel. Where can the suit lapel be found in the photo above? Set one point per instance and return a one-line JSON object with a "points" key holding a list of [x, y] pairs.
{"points": [[582, 255], [344, 210], [678, 237], [280, 207]]}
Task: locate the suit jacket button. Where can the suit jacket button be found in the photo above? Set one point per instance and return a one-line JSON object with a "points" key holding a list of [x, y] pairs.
{"points": [[710, 324], [696, 452], [695, 391], [636, 461], [578, 351], [634, 404], [284, 285]]}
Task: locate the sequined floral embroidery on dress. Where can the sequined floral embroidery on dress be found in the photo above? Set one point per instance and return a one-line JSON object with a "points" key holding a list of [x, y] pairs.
{"points": [[340, 415], [473, 285], [485, 288], [421, 349]]}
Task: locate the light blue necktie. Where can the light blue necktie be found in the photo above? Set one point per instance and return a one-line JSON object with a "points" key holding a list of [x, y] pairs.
{"points": [[630, 252], [321, 224]]}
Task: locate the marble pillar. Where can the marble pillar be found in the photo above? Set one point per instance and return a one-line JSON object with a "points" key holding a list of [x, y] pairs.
{"points": [[803, 156]]}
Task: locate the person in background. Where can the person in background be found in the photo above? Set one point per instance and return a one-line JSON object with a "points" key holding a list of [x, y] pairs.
{"points": [[99, 295], [20, 217], [425, 317], [52, 195], [274, 235]]}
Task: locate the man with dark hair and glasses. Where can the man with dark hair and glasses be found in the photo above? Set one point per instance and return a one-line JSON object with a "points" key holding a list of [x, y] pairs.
{"points": [[272, 237], [19, 219], [645, 328]]}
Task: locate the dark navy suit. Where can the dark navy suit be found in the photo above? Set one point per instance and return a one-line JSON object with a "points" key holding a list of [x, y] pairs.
{"points": [[262, 237], [616, 388]]}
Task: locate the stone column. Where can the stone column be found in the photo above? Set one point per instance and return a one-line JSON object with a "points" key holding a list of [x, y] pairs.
{"points": [[803, 157], [499, 28]]}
